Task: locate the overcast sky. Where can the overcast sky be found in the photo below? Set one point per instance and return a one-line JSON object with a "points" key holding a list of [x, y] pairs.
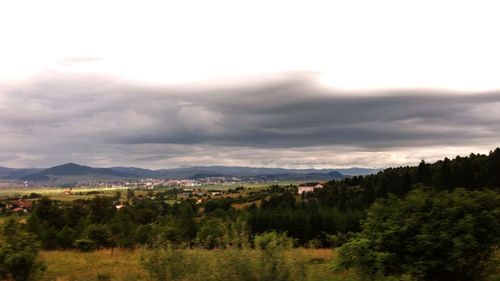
{"points": [[297, 84]]}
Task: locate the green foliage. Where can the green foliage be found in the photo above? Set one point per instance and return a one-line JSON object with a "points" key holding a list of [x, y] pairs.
{"points": [[66, 238], [272, 240], [164, 262], [314, 243], [428, 235], [19, 254], [101, 209], [286, 200], [272, 264], [212, 233], [49, 212], [305, 223], [84, 245], [339, 239], [213, 205], [472, 172], [232, 264], [99, 235], [237, 234], [186, 224], [123, 229], [143, 234], [269, 262]]}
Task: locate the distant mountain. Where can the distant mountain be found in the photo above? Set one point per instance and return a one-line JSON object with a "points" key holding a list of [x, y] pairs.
{"points": [[188, 172], [15, 173], [198, 172], [358, 171], [74, 173], [203, 175], [334, 175], [75, 170], [138, 172]]}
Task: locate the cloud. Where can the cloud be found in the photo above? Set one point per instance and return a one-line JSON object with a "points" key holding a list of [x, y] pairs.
{"points": [[77, 60], [286, 120]]}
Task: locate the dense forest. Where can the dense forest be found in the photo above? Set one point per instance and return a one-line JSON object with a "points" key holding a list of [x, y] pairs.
{"points": [[333, 216], [472, 172]]}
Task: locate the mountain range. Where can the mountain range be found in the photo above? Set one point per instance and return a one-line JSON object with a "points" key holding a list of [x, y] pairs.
{"points": [[72, 172]]}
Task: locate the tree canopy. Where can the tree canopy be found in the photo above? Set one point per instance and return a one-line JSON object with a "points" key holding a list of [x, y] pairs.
{"points": [[428, 235]]}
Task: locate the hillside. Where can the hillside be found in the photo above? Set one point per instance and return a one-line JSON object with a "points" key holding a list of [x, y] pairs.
{"points": [[13, 173], [74, 170], [246, 172], [71, 173]]}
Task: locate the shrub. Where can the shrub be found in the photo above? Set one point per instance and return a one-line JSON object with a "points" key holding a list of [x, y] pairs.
{"points": [[19, 254], [164, 262], [272, 263], [65, 238], [99, 234], [84, 245], [339, 239], [314, 244], [273, 240], [428, 235]]}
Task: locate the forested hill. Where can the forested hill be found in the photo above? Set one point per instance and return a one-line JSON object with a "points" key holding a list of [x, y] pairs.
{"points": [[472, 172]]}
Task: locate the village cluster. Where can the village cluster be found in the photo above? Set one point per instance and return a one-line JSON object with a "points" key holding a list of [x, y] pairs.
{"points": [[185, 189], [134, 183]]}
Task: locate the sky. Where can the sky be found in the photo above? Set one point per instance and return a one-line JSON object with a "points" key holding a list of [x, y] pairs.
{"points": [[295, 84]]}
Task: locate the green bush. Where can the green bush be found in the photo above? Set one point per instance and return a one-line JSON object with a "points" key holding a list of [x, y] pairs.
{"points": [[269, 262], [19, 254], [164, 262], [65, 238], [212, 233], [99, 234], [273, 241], [84, 245], [272, 264], [428, 235]]}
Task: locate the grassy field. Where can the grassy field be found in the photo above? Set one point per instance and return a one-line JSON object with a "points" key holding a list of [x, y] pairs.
{"points": [[74, 266], [125, 265], [57, 192]]}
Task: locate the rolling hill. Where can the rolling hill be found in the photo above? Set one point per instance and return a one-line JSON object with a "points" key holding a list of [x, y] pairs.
{"points": [[75, 173], [75, 170], [215, 171], [15, 173]]}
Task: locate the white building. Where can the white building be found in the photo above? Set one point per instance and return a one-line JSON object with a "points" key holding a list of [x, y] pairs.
{"points": [[308, 188]]}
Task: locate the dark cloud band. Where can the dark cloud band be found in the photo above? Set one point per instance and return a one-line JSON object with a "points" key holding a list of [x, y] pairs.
{"points": [[101, 115]]}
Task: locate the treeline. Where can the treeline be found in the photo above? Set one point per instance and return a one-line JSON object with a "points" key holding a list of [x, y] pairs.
{"points": [[96, 223], [313, 219], [308, 221], [472, 172]]}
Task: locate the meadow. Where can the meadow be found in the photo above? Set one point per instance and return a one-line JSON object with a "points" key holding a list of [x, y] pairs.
{"points": [[88, 192], [204, 264]]}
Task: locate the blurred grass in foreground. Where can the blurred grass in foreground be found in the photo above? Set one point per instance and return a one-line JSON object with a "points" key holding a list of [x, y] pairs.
{"points": [[207, 264]]}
